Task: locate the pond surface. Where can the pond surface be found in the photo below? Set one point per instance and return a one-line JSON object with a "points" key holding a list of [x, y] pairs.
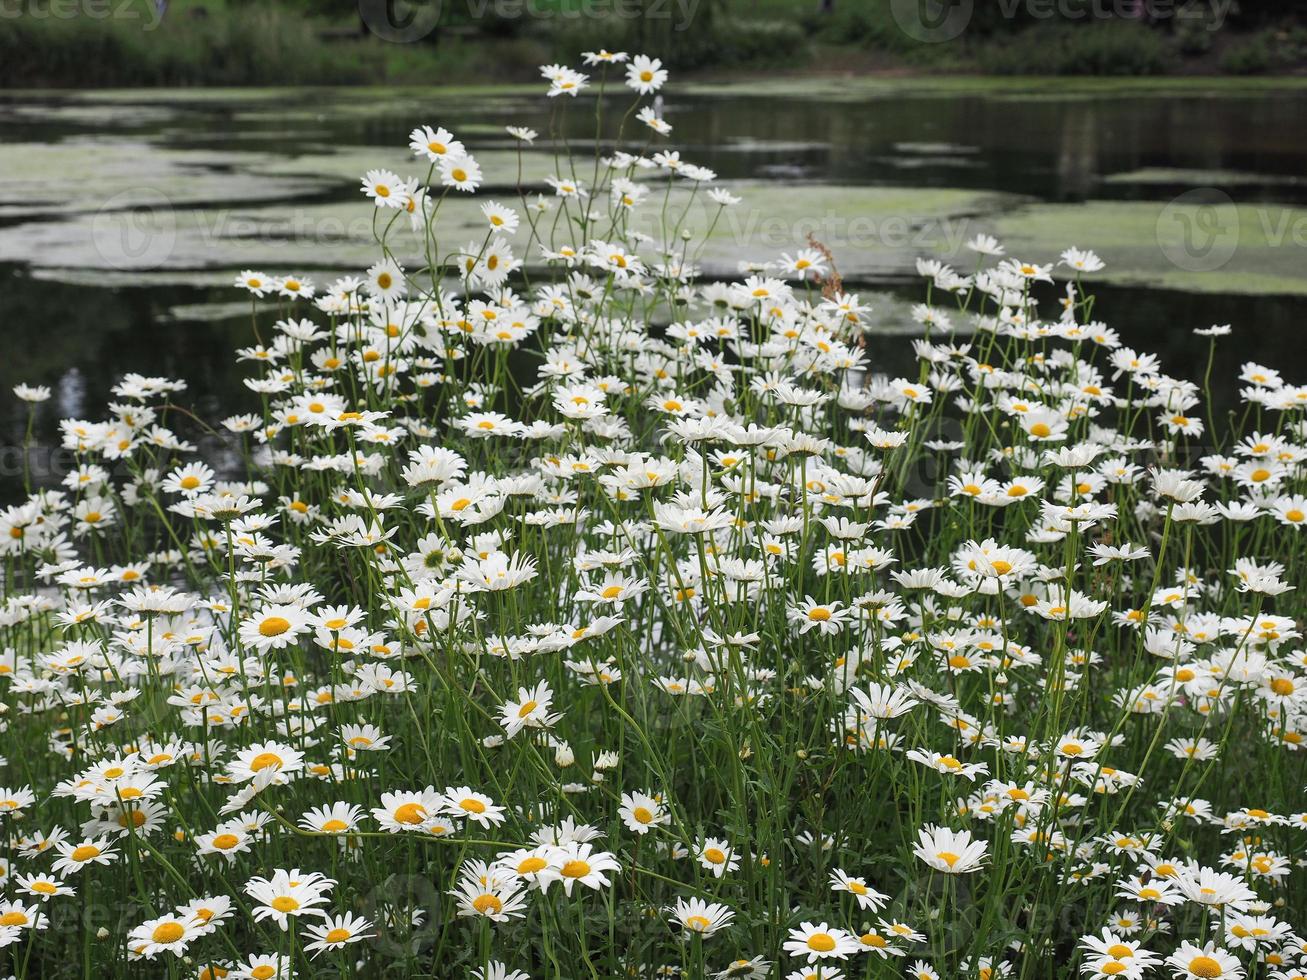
{"points": [[124, 214]]}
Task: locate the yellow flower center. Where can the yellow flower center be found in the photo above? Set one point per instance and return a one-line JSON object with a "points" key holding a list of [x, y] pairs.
{"points": [[274, 626], [487, 904], [575, 868], [410, 813], [265, 760], [168, 932], [821, 942]]}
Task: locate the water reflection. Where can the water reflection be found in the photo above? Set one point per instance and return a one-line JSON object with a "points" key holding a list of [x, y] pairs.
{"points": [[1056, 148]]}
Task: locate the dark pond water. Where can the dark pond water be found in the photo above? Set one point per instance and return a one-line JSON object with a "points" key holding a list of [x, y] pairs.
{"points": [[1051, 140], [79, 333]]}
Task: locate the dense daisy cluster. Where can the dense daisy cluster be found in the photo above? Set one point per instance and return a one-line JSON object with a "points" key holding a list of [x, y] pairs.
{"points": [[551, 613]]}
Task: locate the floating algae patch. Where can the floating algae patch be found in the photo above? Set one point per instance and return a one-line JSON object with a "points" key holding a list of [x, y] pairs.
{"points": [[70, 114], [924, 163], [93, 174], [1188, 244], [371, 104], [934, 149], [205, 95], [205, 312], [851, 88], [278, 238], [349, 164], [874, 232], [105, 278], [1168, 176], [745, 144], [274, 140]]}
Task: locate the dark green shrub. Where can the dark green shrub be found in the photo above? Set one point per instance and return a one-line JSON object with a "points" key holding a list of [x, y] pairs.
{"points": [[1082, 49], [722, 43], [1251, 56]]}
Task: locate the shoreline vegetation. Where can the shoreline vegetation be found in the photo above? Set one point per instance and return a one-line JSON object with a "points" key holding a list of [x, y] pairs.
{"points": [[136, 43]]}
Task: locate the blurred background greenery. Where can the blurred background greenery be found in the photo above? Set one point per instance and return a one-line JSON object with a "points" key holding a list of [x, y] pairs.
{"points": [[63, 43]]}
